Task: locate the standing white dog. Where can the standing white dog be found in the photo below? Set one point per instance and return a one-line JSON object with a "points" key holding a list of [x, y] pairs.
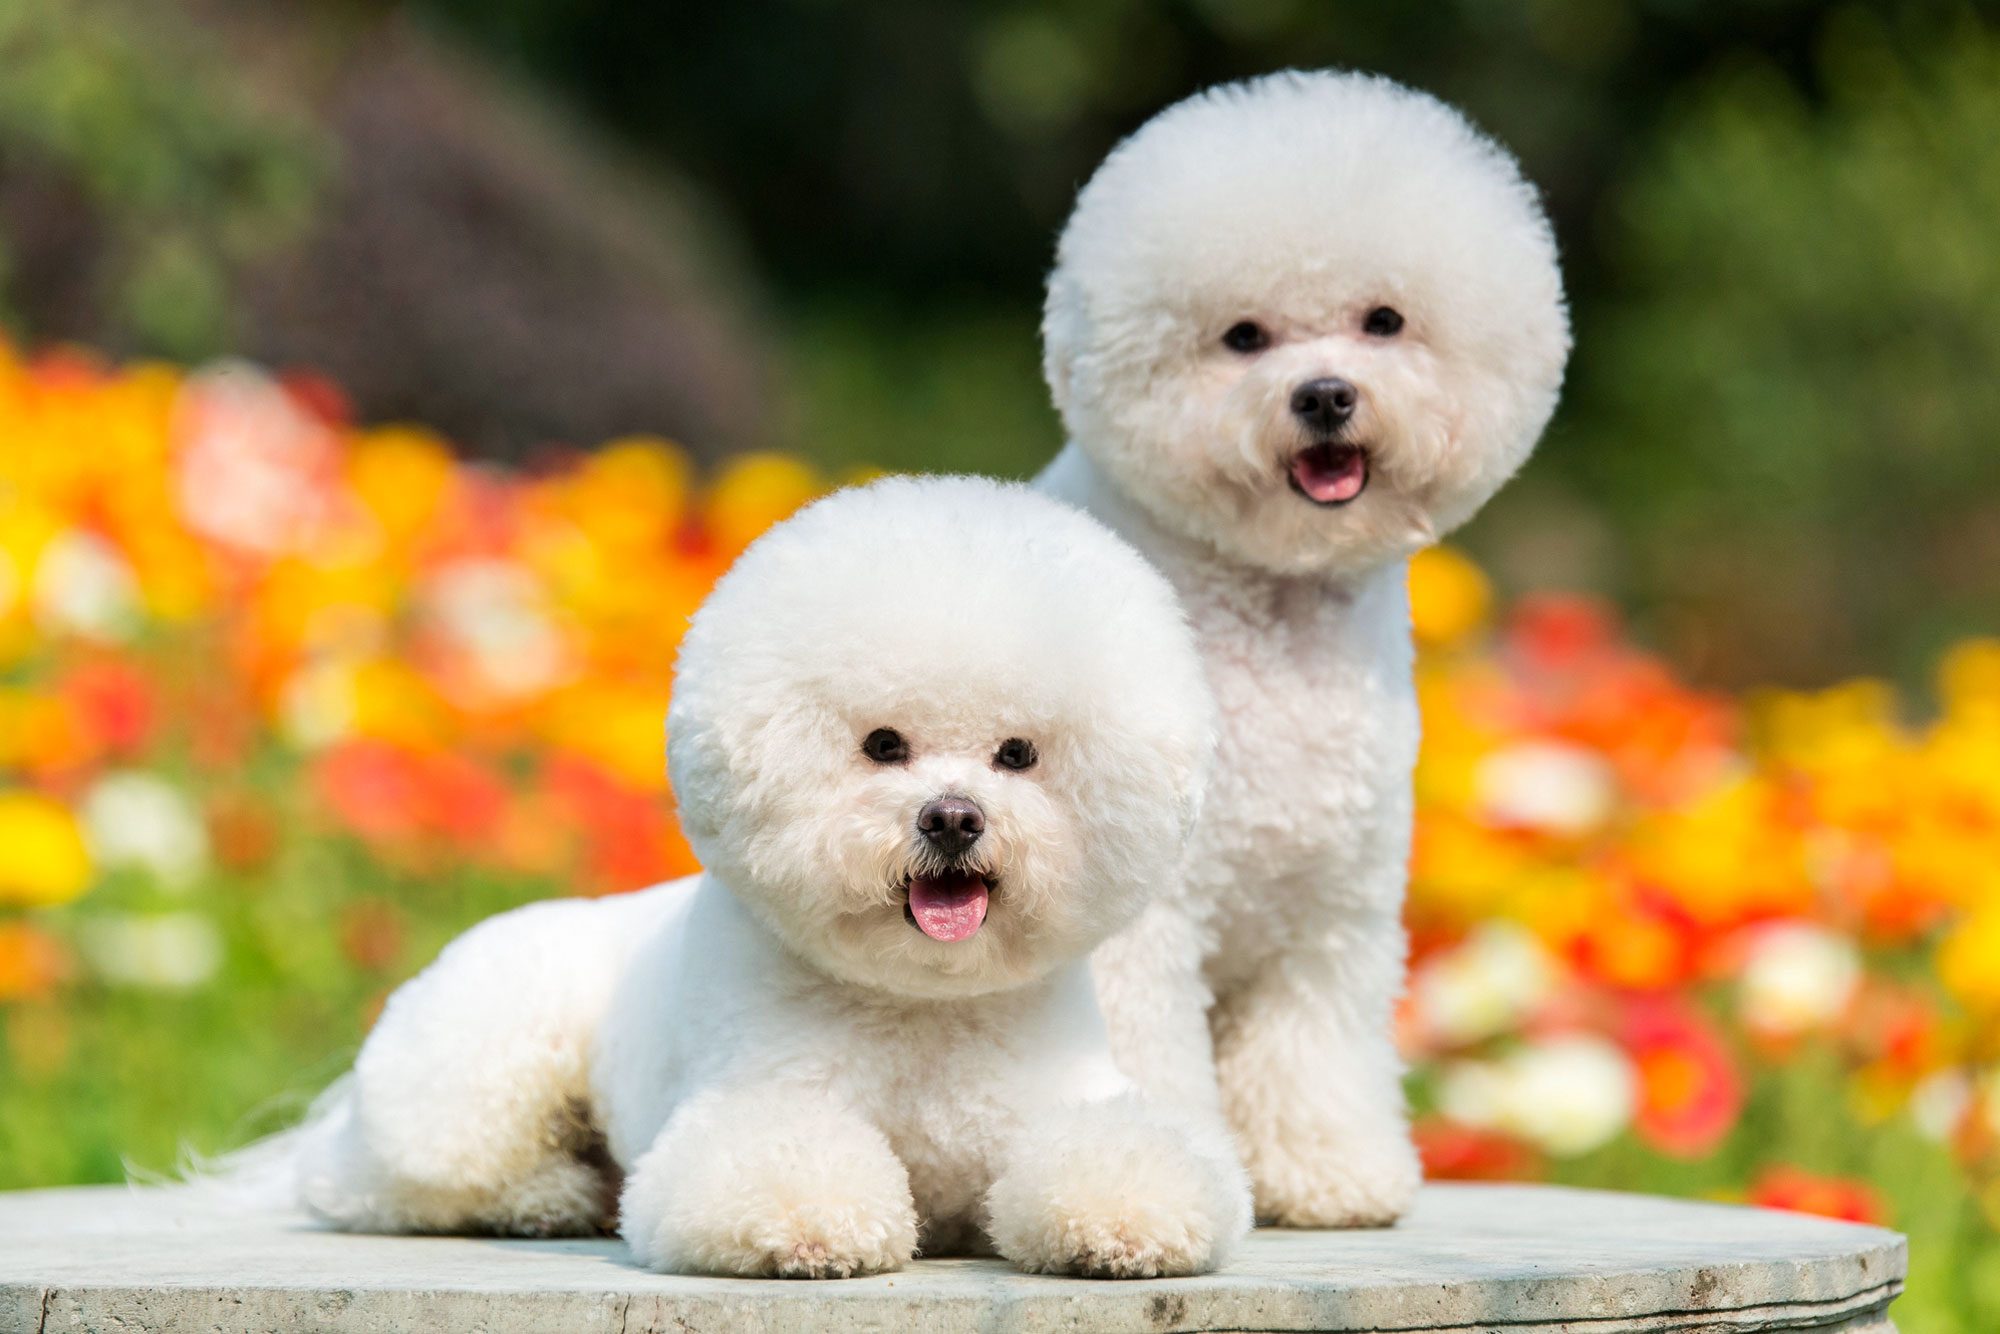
{"points": [[1297, 329], [910, 744]]}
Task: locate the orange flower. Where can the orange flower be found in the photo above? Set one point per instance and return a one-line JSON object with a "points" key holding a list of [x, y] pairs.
{"points": [[371, 933], [242, 831], [1785, 1187], [32, 962], [1633, 942]]}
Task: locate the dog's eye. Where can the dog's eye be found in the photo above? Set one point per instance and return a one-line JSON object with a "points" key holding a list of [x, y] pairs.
{"points": [[1015, 753], [885, 746], [1383, 322], [1246, 336]]}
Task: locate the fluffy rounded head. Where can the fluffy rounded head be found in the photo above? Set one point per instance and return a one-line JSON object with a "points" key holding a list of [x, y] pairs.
{"points": [[1251, 250], [919, 646]]}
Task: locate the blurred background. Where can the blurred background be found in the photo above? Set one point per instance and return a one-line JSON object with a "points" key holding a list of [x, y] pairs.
{"points": [[385, 382]]}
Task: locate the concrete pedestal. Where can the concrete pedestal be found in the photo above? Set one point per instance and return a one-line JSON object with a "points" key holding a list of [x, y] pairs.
{"points": [[1518, 1259]]}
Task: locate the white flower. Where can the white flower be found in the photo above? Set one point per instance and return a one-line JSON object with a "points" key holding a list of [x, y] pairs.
{"points": [[175, 951], [1546, 785], [1939, 1102], [250, 463], [1568, 1095], [496, 613], [1472, 1093], [131, 818], [1798, 977], [83, 586], [1489, 983]]}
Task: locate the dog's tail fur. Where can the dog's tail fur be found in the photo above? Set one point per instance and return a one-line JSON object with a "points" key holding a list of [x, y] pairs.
{"points": [[266, 1175]]}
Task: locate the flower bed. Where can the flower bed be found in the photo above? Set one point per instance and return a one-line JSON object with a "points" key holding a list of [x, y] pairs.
{"points": [[285, 702]]}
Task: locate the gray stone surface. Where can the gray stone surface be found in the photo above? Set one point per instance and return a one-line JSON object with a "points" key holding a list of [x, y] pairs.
{"points": [[1523, 1259]]}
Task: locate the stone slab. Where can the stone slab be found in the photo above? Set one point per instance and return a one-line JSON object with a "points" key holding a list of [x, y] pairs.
{"points": [[1519, 1259]]}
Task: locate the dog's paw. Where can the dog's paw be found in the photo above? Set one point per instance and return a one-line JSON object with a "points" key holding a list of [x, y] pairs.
{"points": [[817, 1240], [1117, 1196], [1115, 1243], [762, 1187], [563, 1197], [1312, 1179]]}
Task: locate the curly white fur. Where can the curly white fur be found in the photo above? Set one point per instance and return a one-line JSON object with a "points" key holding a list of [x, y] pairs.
{"points": [[1263, 985], [784, 1075]]}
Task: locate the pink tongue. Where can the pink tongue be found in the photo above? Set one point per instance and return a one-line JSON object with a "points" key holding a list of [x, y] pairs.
{"points": [[948, 907], [1331, 473]]}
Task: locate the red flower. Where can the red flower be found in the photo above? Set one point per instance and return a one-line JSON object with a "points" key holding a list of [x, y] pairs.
{"points": [[1784, 1187], [1561, 632], [318, 395], [373, 789], [1453, 1152], [1690, 1092], [390, 794], [114, 703], [629, 840]]}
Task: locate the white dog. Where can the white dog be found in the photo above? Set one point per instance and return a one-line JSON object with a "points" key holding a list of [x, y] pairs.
{"points": [[934, 741], [1297, 328]]}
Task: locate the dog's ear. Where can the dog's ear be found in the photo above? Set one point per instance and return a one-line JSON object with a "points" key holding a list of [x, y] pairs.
{"points": [[1200, 767], [696, 770], [1065, 331]]}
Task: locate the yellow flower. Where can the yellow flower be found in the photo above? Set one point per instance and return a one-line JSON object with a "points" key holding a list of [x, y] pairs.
{"points": [[392, 702], [1969, 678], [755, 491], [42, 855], [633, 492], [1725, 857], [1449, 598], [621, 727], [1969, 961], [402, 475]]}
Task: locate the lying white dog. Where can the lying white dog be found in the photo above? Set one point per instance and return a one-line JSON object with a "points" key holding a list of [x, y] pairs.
{"points": [[1297, 329], [934, 741]]}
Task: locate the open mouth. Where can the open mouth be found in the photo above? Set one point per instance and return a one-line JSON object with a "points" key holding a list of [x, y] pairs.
{"points": [[949, 906], [1329, 473]]}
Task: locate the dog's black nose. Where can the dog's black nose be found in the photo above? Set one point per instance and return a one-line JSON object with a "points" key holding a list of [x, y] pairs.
{"points": [[1325, 404], [951, 824]]}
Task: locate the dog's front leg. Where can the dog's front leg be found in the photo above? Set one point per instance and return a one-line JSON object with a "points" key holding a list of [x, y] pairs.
{"points": [[1124, 1188], [1155, 1002], [769, 1182], [1312, 1083]]}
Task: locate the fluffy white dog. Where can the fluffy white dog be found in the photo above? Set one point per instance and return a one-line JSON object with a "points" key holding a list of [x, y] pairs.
{"points": [[934, 741], [1297, 328]]}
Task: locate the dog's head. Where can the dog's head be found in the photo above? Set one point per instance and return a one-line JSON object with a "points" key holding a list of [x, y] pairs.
{"points": [[941, 735], [1313, 320]]}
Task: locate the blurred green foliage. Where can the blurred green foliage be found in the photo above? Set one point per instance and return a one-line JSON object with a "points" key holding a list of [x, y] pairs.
{"points": [[184, 173], [112, 1079], [1774, 217], [1788, 404]]}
